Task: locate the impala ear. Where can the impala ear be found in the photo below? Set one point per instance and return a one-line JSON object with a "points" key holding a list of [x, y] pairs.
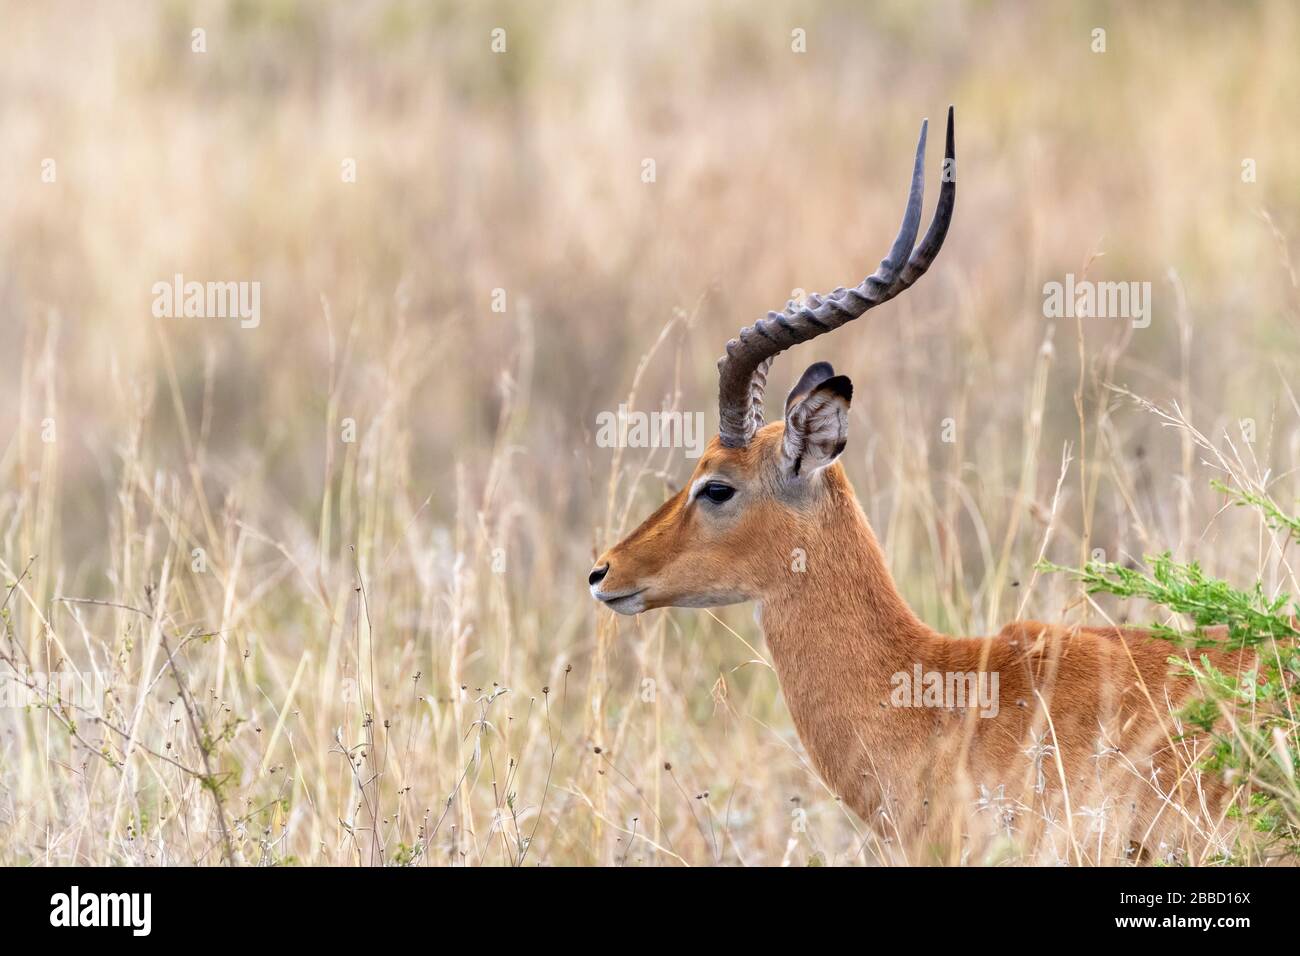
{"points": [[813, 376], [817, 420]]}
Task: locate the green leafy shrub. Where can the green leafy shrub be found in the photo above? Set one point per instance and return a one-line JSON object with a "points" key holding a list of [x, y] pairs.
{"points": [[1251, 718]]}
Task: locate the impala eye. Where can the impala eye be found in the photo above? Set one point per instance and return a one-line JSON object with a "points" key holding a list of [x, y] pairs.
{"points": [[717, 492]]}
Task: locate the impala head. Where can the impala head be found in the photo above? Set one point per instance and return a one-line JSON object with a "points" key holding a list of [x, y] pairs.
{"points": [[760, 490]]}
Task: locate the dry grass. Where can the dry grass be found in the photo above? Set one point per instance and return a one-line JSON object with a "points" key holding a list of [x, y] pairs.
{"points": [[391, 655]]}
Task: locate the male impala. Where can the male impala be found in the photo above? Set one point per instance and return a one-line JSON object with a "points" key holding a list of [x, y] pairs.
{"points": [[1078, 740]]}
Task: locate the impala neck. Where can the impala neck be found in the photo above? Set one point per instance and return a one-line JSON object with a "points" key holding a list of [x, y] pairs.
{"points": [[837, 632], [845, 598]]}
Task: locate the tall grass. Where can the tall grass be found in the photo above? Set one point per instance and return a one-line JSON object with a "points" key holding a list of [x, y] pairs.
{"points": [[271, 645]]}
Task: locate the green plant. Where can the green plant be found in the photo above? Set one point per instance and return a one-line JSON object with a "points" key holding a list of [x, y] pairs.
{"points": [[1250, 718]]}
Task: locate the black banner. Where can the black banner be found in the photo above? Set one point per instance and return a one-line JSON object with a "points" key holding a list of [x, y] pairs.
{"points": [[334, 905]]}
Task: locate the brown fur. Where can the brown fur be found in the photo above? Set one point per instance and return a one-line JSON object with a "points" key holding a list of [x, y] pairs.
{"points": [[838, 631]]}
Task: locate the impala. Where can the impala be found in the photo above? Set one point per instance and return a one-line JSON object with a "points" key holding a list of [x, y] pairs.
{"points": [[1081, 728]]}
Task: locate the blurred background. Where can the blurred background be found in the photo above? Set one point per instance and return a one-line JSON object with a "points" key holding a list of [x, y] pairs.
{"points": [[384, 649]]}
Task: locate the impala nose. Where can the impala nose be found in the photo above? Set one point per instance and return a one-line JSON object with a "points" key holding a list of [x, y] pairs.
{"points": [[598, 574]]}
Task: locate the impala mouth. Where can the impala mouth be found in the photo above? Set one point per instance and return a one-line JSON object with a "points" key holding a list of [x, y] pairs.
{"points": [[629, 602]]}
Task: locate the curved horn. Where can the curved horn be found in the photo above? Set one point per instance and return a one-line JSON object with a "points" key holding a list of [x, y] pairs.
{"points": [[742, 372]]}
